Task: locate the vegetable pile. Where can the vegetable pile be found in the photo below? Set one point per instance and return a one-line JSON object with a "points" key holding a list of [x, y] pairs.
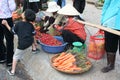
{"points": [[49, 40], [66, 62], [71, 62], [46, 38]]}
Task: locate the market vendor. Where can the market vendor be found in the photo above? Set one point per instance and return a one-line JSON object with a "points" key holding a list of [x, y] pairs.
{"points": [[72, 31], [51, 17]]}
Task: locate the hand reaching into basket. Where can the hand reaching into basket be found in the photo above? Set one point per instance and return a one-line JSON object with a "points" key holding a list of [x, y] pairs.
{"points": [[48, 22]]}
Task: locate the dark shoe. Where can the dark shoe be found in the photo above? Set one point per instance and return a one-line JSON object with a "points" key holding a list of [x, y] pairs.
{"points": [[110, 61], [10, 73], [35, 51], [38, 42], [107, 69], [8, 64], [3, 61]]}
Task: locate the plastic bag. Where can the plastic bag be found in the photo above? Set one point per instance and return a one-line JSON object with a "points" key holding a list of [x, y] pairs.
{"points": [[39, 16], [96, 46]]}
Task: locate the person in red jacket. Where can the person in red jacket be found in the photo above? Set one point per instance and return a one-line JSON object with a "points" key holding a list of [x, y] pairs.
{"points": [[72, 31]]}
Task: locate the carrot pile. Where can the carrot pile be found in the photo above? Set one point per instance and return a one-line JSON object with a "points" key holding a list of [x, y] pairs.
{"points": [[66, 62]]}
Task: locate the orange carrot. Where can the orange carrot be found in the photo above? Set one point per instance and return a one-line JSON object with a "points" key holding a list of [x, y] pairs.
{"points": [[61, 57], [66, 58], [70, 60], [68, 65], [62, 54], [56, 64]]}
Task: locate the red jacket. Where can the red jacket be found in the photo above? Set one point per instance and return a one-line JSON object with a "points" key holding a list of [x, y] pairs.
{"points": [[75, 27]]}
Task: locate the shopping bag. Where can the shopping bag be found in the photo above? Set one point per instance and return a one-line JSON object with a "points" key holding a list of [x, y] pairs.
{"points": [[96, 46]]}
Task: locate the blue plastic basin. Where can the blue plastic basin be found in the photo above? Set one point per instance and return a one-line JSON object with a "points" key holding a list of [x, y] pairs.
{"points": [[54, 49]]}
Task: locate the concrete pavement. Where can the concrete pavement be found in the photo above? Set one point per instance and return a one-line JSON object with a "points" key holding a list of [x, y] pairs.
{"points": [[37, 66]]}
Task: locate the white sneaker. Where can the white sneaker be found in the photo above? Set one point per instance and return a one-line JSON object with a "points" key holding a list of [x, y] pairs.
{"points": [[10, 73]]}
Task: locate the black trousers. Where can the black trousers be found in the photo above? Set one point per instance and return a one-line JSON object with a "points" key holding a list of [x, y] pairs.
{"points": [[70, 37], [59, 2], [79, 5], [6, 48], [35, 6], [111, 42]]}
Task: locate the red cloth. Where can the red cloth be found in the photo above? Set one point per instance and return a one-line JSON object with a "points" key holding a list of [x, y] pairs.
{"points": [[75, 27]]}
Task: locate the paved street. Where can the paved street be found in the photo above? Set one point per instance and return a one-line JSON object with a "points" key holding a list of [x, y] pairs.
{"points": [[21, 74], [37, 66]]}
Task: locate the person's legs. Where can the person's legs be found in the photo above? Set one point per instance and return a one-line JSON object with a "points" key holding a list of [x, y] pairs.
{"points": [[2, 46], [17, 56], [59, 2], [40, 4], [25, 5], [9, 43], [34, 48], [110, 62], [14, 64], [63, 3], [111, 49], [79, 5], [34, 6]]}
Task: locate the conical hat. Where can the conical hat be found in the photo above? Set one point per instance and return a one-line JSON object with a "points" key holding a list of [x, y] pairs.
{"points": [[68, 9]]}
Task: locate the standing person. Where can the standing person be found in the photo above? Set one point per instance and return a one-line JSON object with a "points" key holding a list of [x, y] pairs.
{"points": [[111, 19], [79, 6], [25, 32], [31, 4], [6, 52]]}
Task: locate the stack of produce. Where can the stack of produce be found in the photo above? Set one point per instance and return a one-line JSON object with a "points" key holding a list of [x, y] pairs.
{"points": [[66, 61], [71, 62], [49, 40], [46, 38]]}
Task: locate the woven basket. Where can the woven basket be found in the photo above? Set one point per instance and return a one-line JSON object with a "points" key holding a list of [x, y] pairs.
{"points": [[68, 72]]}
